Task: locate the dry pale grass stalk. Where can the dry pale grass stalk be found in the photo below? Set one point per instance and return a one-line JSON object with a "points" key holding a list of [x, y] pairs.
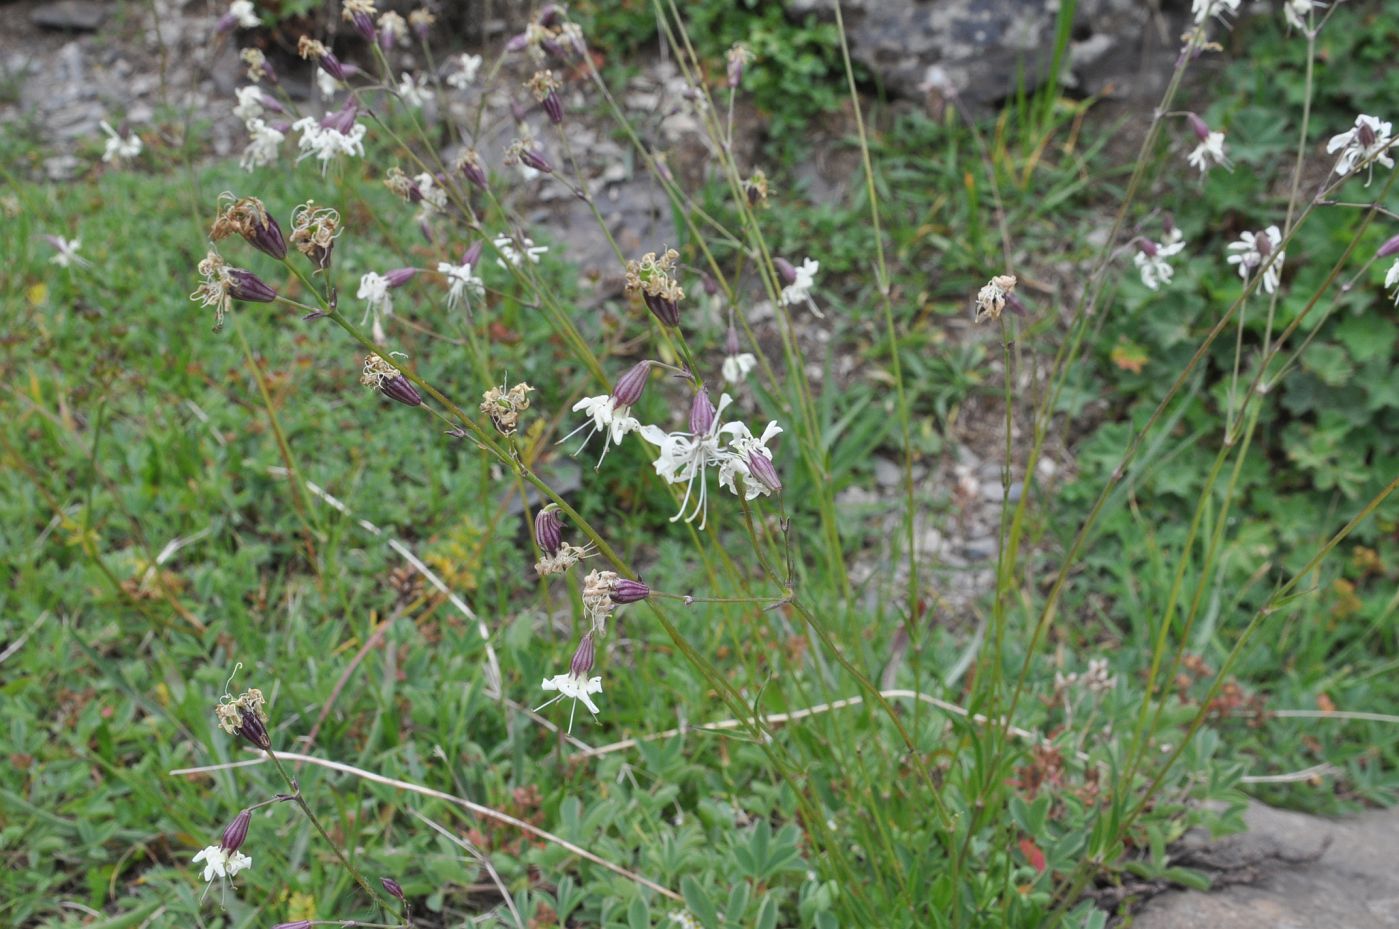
{"points": [[476, 808]]}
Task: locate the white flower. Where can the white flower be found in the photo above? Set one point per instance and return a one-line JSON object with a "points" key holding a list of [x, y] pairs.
{"points": [[799, 290], [608, 417], [434, 195], [1366, 143], [1391, 278], [575, 689], [1250, 251], [242, 13], [1203, 9], [67, 252], [374, 290], [684, 920], [506, 246], [1210, 149], [326, 143], [741, 446], [464, 74], [736, 367], [1297, 11], [249, 103], [263, 145], [1151, 259], [463, 283], [684, 456], [219, 863], [327, 85], [120, 148], [413, 90]]}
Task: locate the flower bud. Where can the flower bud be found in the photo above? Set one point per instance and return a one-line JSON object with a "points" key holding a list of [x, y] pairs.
{"points": [[251, 728], [760, 466], [472, 256], [399, 276], [236, 832], [1198, 126], [582, 661], [785, 270], [548, 530], [298, 924], [401, 389], [245, 285], [627, 591], [701, 413], [518, 42], [392, 887], [732, 346], [711, 286], [631, 385], [1389, 248]]}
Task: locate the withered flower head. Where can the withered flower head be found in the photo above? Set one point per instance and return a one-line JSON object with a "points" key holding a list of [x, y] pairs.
{"points": [[756, 189], [545, 88], [991, 299], [652, 279], [248, 217], [378, 374], [245, 717], [504, 405], [313, 232], [258, 68]]}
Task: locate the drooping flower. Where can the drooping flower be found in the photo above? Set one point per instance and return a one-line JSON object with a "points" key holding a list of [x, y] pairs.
{"points": [[685, 456], [223, 284], [413, 90], [1210, 149], [219, 863], [1388, 250], [240, 14], [610, 414], [560, 561], [464, 69], [597, 598], [121, 147], [1296, 12], [249, 102], [313, 232], [574, 687], [374, 290], [527, 251], [1220, 9], [66, 252], [463, 284], [336, 134], [360, 14], [798, 280], [744, 450], [1367, 142], [1252, 250], [264, 142], [545, 88], [248, 217], [1151, 260]]}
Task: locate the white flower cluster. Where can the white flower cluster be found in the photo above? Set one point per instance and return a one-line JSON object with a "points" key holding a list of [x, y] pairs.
{"points": [[327, 142], [121, 148]]}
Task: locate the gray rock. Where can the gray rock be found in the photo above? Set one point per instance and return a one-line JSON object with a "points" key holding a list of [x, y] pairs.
{"points": [[69, 15], [977, 50], [1292, 870]]}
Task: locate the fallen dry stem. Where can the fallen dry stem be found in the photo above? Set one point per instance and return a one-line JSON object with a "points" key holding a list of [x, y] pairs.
{"points": [[476, 808]]}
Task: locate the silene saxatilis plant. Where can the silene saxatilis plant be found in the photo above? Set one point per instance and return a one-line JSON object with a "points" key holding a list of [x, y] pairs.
{"points": [[982, 784]]}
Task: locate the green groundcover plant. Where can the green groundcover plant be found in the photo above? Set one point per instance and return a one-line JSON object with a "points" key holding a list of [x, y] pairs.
{"points": [[670, 691]]}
